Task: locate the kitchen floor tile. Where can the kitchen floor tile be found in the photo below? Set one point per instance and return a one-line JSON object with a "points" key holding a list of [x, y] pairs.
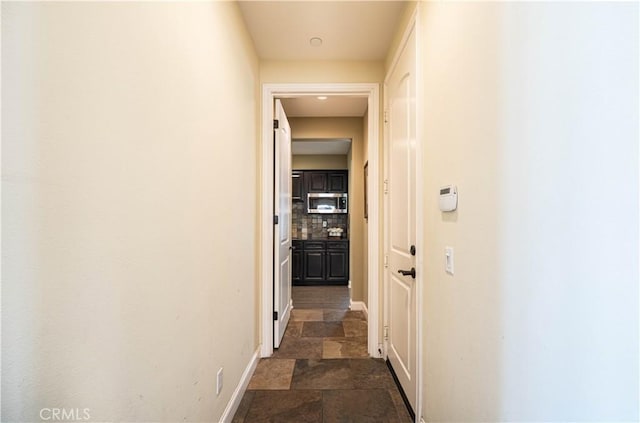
{"points": [[272, 373], [344, 348], [362, 406], [371, 373], [401, 407], [243, 408], [294, 329], [343, 315], [322, 329], [320, 297], [285, 407], [306, 315], [353, 328], [322, 374], [292, 347]]}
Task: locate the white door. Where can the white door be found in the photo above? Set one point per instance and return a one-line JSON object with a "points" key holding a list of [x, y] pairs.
{"points": [[400, 207], [282, 229]]}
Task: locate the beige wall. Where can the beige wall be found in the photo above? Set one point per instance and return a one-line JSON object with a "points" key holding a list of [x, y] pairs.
{"points": [[321, 71], [345, 128], [530, 109], [320, 161], [120, 283], [405, 20], [462, 312]]}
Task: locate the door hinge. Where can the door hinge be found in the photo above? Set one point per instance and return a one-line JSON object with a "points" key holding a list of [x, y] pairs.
{"points": [[386, 333], [275, 219], [386, 116], [386, 261], [275, 315], [386, 186], [276, 124]]}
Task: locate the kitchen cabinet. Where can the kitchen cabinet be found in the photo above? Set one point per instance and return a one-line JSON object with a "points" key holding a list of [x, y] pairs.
{"points": [[318, 262], [316, 181], [296, 261], [314, 267], [337, 267], [337, 181], [297, 185], [326, 180], [314, 262]]}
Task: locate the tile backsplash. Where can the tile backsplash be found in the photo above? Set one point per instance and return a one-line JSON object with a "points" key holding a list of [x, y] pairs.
{"points": [[309, 226]]}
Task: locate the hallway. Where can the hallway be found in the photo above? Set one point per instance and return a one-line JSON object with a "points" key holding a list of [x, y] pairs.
{"points": [[321, 373], [138, 215]]}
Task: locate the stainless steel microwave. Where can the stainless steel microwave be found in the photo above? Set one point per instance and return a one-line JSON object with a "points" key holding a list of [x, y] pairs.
{"points": [[326, 202]]}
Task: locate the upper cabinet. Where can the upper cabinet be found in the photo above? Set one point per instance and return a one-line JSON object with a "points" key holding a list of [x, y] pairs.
{"points": [[337, 181], [326, 181], [316, 181], [297, 185]]}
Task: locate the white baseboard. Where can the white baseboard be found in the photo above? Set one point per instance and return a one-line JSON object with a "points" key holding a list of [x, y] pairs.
{"points": [[361, 306], [236, 397]]}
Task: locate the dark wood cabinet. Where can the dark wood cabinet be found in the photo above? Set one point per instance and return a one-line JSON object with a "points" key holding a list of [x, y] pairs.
{"points": [[326, 181], [337, 266], [296, 261], [297, 185], [337, 181], [337, 261], [316, 181], [320, 263], [314, 266]]}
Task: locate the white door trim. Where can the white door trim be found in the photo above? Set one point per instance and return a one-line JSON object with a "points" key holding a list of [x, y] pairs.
{"points": [[414, 23], [269, 93]]}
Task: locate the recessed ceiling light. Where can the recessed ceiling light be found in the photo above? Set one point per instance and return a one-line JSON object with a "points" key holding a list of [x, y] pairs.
{"points": [[315, 41], [322, 97]]}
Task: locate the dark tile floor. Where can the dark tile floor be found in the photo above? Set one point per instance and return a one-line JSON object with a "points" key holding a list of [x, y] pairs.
{"points": [[322, 374], [320, 297]]}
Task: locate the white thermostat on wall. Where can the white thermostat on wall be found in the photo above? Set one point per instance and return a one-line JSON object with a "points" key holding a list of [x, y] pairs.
{"points": [[448, 198]]}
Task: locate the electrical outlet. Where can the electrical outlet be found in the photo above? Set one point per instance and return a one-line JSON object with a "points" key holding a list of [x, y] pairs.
{"points": [[219, 379], [324, 223]]}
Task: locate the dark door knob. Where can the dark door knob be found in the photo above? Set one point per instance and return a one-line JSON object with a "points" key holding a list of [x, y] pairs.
{"points": [[411, 272]]}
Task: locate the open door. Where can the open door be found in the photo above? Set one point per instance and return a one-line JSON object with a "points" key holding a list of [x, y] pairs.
{"points": [[282, 225], [400, 207]]}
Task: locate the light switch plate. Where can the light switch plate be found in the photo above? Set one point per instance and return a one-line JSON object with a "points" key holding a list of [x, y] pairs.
{"points": [[448, 256]]}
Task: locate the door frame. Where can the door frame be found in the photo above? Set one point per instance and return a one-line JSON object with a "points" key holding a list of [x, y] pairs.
{"points": [[269, 93], [412, 25]]}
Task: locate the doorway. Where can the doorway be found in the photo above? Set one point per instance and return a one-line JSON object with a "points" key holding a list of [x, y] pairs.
{"points": [[270, 93]]}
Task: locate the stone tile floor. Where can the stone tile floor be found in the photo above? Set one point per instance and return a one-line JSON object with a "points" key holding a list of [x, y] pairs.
{"points": [[322, 374]]}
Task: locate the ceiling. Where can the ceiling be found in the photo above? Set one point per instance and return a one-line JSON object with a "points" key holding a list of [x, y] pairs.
{"points": [[321, 146], [350, 30]]}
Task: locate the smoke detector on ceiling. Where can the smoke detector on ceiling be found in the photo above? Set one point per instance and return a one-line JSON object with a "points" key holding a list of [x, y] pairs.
{"points": [[315, 41]]}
